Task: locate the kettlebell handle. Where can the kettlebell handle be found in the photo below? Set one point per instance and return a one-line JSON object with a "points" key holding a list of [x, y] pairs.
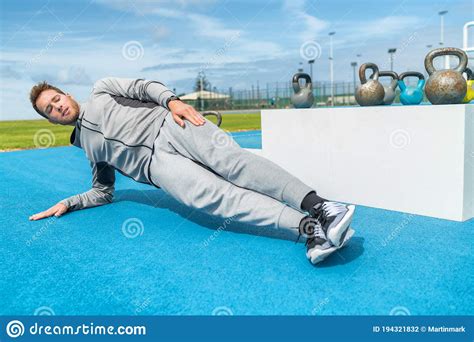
{"points": [[364, 67], [446, 52], [301, 75], [417, 74], [391, 74], [217, 114]]}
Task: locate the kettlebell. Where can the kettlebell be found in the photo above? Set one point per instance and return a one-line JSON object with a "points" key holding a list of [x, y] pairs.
{"points": [[371, 92], [390, 90], [303, 96], [446, 86], [470, 86], [411, 95], [217, 114]]}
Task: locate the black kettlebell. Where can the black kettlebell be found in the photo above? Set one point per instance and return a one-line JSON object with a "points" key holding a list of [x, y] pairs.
{"points": [[216, 114]]}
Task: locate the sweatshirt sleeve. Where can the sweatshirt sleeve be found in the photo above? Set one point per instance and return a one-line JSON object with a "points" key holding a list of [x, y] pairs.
{"points": [[138, 89], [102, 192]]}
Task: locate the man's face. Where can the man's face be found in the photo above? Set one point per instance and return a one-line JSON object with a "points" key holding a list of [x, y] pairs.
{"points": [[59, 108]]}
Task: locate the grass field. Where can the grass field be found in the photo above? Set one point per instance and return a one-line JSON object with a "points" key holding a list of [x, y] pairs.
{"points": [[27, 134]]}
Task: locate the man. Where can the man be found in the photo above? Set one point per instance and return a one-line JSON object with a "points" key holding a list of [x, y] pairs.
{"points": [[141, 129]]}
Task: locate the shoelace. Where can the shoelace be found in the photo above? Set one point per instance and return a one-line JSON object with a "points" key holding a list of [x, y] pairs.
{"points": [[317, 233], [317, 230], [333, 208]]}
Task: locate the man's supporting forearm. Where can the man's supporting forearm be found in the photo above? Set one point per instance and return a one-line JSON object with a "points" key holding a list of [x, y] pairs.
{"points": [[88, 199]]}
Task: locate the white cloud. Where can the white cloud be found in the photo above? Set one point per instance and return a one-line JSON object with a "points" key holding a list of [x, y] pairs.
{"points": [[7, 71], [387, 26], [160, 32], [309, 26], [165, 12], [72, 75], [167, 8], [206, 26]]}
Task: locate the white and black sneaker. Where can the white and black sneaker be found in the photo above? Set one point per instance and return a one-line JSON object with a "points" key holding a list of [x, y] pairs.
{"points": [[335, 219], [318, 247]]}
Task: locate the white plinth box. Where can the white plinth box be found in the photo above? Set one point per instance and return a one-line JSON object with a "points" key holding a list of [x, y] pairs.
{"points": [[414, 159]]}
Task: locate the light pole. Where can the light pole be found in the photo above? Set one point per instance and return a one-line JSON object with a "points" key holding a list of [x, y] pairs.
{"points": [[331, 65], [391, 52], [300, 69], [201, 86], [441, 38], [353, 65], [311, 62]]}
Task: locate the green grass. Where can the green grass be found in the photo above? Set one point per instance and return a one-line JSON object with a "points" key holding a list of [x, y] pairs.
{"points": [[239, 122], [24, 134], [32, 134]]}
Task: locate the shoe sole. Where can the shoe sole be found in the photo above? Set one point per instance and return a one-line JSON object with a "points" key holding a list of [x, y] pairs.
{"points": [[318, 255], [336, 234]]}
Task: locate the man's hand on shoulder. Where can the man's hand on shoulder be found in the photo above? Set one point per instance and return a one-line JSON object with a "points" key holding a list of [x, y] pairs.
{"points": [[181, 110], [56, 210]]}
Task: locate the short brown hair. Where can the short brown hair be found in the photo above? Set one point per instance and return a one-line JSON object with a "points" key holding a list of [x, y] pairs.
{"points": [[37, 90]]}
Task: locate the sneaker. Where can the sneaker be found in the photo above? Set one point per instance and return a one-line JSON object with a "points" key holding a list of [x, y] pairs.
{"points": [[335, 219], [318, 247], [318, 250]]}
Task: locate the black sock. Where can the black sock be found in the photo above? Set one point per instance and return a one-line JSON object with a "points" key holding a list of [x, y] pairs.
{"points": [[310, 200]]}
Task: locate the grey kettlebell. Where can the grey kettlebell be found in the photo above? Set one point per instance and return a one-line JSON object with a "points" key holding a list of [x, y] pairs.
{"points": [[390, 90], [371, 92], [303, 96], [446, 86]]}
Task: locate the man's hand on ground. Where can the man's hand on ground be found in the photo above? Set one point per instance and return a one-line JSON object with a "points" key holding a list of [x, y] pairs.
{"points": [[181, 110], [56, 210]]}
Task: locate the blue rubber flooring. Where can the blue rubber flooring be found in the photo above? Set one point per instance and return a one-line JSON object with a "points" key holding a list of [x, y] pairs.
{"points": [[169, 260]]}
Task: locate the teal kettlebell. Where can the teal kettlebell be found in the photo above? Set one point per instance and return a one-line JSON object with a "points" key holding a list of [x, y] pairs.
{"points": [[411, 95]]}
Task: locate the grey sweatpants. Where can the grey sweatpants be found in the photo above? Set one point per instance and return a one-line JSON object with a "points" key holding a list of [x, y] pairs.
{"points": [[204, 168]]}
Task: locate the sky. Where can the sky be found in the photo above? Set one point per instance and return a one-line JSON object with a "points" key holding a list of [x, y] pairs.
{"points": [[71, 44]]}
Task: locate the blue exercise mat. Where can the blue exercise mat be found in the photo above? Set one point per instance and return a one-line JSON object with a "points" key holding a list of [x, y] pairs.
{"points": [[146, 254]]}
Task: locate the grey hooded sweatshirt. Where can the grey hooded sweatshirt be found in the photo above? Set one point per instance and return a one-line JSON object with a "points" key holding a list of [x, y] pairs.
{"points": [[116, 128]]}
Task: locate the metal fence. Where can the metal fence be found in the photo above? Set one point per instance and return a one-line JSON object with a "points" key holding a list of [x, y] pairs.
{"points": [[278, 95]]}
